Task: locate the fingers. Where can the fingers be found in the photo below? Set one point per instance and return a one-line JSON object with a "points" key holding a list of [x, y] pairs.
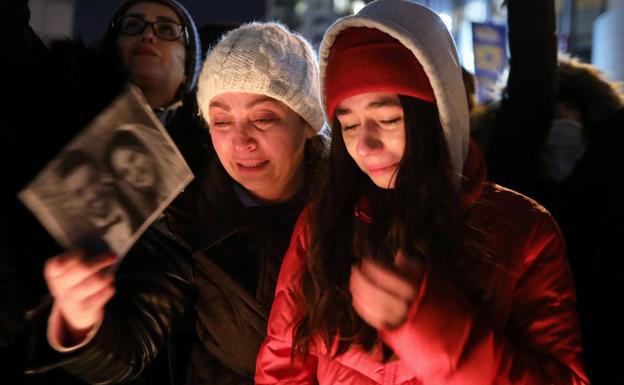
{"points": [[368, 315], [58, 265], [70, 269], [377, 306], [88, 287], [94, 303], [388, 280], [413, 268], [382, 296], [81, 287]]}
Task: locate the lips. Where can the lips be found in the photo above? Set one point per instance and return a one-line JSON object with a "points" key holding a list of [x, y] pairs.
{"points": [[252, 165], [377, 170], [98, 205], [144, 51]]}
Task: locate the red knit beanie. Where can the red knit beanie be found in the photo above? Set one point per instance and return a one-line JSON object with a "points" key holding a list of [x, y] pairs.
{"points": [[367, 60]]}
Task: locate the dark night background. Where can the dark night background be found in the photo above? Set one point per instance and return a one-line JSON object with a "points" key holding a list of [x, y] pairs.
{"points": [[91, 16]]}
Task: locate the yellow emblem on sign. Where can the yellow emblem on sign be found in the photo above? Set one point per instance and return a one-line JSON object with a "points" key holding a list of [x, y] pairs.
{"points": [[489, 58]]}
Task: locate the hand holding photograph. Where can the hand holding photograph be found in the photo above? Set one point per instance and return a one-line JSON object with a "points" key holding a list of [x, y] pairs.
{"points": [[111, 181]]}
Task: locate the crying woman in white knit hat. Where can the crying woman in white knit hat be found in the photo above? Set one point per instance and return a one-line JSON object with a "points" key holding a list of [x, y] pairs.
{"points": [[259, 96], [214, 258], [258, 91]]}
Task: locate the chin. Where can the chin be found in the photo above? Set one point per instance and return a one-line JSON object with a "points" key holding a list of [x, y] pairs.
{"points": [[252, 186], [145, 78], [384, 184]]}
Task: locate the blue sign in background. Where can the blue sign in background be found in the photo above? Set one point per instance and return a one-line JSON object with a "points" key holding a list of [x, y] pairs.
{"points": [[489, 43]]}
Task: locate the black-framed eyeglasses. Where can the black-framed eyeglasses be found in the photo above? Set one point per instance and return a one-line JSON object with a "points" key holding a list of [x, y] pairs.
{"points": [[133, 25]]}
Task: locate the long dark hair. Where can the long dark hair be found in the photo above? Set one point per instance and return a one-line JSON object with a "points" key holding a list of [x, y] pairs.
{"points": [[128, 139], [419, 217]]}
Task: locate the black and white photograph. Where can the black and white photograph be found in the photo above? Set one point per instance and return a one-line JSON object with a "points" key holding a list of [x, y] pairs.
{"points": [[112, 181]]}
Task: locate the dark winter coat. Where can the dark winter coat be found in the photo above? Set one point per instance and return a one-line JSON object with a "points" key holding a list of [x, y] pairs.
{"points": [[196, 288], [51, 94], [590, 210]]}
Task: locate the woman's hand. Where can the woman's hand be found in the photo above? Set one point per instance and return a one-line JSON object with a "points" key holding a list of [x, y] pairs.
{"points": [[81, 288], [382, 297]]}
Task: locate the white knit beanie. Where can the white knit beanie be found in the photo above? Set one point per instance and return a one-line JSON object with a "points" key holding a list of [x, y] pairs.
{"points": [[267, 59]]}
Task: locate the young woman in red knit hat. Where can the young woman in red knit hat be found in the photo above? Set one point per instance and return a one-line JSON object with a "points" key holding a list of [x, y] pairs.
{"points": [[409, 267]]}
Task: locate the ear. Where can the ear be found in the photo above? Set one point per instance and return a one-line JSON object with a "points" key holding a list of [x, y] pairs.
{"points": [[309, 131]]}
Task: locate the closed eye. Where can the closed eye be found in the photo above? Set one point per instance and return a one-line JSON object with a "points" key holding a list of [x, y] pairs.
{"points": [[391, 121], [263, 122], [347, 127], [221, 124]]}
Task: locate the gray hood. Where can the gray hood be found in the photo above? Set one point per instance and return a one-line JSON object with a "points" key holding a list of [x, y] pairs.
{"points": [[422, 32]]}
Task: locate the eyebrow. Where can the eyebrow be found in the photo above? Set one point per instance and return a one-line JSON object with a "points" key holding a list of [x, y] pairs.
{"points": [[219, 105], [158, 18], [253, 103], [260, 100], [378, 103]]}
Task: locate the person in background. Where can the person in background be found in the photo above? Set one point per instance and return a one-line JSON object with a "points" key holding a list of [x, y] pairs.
{"points": [[199, 287], [510, 136], [583, 149], [56, 90], [563, 154], [409, 267]]}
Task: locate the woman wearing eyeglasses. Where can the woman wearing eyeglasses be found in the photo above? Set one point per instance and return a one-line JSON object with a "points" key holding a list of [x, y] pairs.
{"points": [[55, 90], [157, 45]]}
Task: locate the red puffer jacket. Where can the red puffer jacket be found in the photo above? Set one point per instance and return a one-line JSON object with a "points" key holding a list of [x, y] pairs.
{"points": [[514, 322]]}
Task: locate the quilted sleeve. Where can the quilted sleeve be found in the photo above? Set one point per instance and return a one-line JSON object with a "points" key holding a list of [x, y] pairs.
{"points": [[274, 364], [447, 340]]}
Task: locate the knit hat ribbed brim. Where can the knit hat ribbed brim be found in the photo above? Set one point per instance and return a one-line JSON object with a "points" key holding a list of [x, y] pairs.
{"points": [[265, 59], [367, 60]]}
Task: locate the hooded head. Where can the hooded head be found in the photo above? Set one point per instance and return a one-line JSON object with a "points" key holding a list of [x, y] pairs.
{"points": [[190, 36], [266, 59], [400, 47], [582, 87]]}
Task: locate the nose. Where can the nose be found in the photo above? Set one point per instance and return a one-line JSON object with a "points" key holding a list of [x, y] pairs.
{"points": [[244, 139], [131, 174], [148, 33], [368, 142], [89, 193], [92, 195]]}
